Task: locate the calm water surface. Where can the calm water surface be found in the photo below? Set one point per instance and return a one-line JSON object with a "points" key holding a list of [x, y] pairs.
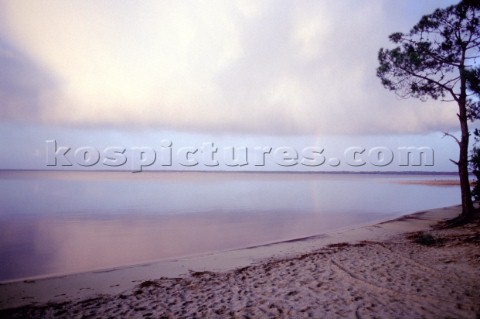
{"points": [[64, 222]]}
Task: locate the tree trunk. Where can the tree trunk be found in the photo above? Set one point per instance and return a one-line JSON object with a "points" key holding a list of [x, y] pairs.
{"points": [[467, 204]]}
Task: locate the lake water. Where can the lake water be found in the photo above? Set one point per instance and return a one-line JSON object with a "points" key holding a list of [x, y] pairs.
{"points": [[63, 222]]}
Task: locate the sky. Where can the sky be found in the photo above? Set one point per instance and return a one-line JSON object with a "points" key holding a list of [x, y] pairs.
{"points": [[181, 75]]}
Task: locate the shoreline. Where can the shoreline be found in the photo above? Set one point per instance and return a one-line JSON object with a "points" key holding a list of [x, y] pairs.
{"points": [[311, 236], [115, 281]]}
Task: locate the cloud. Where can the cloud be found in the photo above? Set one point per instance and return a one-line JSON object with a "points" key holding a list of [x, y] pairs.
{"points": [[22, 86], [274, 67]]}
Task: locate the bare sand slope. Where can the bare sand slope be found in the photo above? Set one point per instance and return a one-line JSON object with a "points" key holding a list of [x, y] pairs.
{"points": [[433, 274]]}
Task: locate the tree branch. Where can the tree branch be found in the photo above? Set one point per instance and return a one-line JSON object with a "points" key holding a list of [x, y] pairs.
{"points": [[448, 89], [454, 162], [452, 136]]}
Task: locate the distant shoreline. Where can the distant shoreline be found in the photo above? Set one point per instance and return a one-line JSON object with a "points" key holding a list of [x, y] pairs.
{"points": [[242, 171]]}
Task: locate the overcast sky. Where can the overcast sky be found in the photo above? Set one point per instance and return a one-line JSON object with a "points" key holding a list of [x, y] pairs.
{"points": [[235, 73]]}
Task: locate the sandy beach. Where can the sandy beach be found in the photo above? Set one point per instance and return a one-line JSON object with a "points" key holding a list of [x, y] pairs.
{"points": [[394, 269]]}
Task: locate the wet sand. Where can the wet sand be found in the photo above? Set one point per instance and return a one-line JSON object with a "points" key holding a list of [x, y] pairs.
{"points": [[397, 269]]}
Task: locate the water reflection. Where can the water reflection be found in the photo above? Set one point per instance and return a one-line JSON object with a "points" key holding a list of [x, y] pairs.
{"points": [[62, 222]]}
